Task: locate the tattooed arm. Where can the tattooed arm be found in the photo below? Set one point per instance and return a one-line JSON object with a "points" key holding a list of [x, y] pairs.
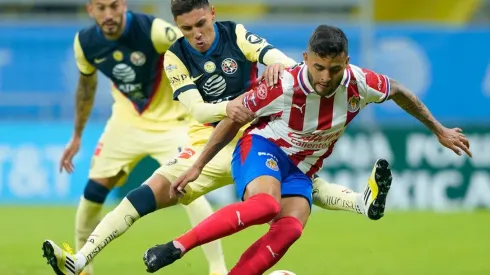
{"points": [[412, 105], [84, 101], [453, 139]]}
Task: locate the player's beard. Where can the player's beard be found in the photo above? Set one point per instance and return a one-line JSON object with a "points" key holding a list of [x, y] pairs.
{"points": [[111, 28]]}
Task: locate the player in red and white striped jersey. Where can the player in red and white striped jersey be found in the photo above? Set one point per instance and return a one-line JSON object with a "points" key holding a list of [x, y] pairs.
{"points": [[299, 121], [305, 124]]}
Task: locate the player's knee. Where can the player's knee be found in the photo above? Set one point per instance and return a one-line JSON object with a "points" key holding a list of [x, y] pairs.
{"points": [[270, 207], [142, 199], [291, 228], [95, 192]]}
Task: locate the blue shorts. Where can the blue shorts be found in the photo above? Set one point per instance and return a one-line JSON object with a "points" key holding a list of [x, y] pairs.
{"points": [[255, 156]]}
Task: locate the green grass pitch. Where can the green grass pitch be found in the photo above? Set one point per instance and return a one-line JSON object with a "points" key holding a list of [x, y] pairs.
{"points": [[332, 243]]}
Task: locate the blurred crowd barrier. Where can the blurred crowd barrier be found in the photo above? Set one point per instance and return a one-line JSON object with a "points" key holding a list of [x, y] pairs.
{"points": [[447, 67]]}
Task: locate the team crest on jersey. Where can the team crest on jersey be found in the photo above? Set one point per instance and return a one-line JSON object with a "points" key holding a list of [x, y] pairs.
{"points": [[272, 164], [118, 56], [138, 58], [353, 104], [229, 66], [262, 91], [209, 67]]}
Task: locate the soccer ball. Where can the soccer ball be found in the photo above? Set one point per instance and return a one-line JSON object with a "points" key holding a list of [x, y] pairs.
{"points": [[282, 272]]}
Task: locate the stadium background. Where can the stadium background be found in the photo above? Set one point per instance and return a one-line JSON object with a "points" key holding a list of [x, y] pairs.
{"points": [[437, 48]]}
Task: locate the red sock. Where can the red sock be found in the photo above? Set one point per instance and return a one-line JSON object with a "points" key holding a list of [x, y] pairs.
{"points": [[258, 209], [269, 249]]}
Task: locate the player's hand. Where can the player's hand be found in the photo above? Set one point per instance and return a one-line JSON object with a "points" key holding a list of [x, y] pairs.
{"points": [[273, 73], [70, 151], [177, 188], [237, 112], [455, 140]]}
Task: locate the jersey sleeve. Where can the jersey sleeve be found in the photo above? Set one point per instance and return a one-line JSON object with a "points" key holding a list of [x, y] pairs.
{"points": [[265, 101], [256, 48], [177, 74], [201, 111], [163, 35], [377, 86], [82, 63]]}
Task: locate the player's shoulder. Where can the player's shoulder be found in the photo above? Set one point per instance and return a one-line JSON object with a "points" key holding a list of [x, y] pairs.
{"points": [[227, 26], [291, 74], [229, 31], [178, 47], [365, 78], [87, 35], [288, 82], [143, 17], [357, 72], [141, 23]]}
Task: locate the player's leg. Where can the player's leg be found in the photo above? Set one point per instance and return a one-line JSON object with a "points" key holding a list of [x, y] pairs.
{"points": [[284, 230], [138, 203], [333, 196], [371, 202], [114, 156], [152, 195], [199, 209], [256, 183]]}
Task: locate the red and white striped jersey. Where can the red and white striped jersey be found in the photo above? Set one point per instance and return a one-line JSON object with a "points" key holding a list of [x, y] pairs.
{"points": [[305, 125]]}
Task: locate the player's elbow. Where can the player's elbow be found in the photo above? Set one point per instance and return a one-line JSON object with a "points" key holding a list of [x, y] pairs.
{"points": [[201, 115]]}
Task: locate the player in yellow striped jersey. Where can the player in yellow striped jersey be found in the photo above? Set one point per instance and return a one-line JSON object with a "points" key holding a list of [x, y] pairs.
{"points": [[129, 49]]}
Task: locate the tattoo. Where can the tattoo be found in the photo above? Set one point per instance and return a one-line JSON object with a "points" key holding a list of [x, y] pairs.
{"points": [[412, 105], [84, 100]]}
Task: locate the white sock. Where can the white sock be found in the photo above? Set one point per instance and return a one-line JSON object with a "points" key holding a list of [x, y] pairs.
{"points": [[113, 225], [336, 197], [87, 218]]}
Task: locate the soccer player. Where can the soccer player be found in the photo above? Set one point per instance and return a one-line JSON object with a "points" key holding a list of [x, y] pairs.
{"points": [[275, 160], [213, 63], [129, 49]]}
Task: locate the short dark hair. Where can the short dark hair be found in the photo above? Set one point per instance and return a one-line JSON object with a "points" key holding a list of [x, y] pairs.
{"points": [[179, 7], [328, 41]]}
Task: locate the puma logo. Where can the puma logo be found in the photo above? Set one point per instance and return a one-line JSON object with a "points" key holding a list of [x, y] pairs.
{"points": [[300, 108], [240, 223], [272, 252]]}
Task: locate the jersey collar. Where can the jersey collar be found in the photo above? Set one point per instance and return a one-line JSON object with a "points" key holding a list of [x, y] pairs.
{"points": [[211, 49], [306, 86]]}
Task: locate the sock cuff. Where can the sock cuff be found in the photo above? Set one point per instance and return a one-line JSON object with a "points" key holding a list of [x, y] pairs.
{"points": [[143, 200], [95, 192], [85, 203]]}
